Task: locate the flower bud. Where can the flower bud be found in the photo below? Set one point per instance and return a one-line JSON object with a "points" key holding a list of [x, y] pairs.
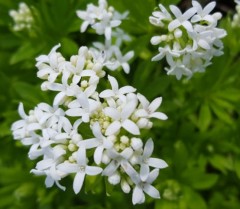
{"points": [[125, 186], [114, 179], [136, 143]]}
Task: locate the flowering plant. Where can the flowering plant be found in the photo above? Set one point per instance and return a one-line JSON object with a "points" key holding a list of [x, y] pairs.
{"points": [[105, 117]]}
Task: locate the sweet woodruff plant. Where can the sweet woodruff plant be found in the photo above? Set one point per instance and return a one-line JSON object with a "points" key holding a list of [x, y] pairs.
{"points": [[90, 131]]}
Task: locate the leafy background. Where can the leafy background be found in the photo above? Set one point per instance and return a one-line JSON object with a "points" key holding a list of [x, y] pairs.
{"points": [[200, 141]]}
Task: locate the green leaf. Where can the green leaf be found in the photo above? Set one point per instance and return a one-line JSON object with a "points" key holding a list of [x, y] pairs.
{"points": [[25, 52], [192, 200], [205, 117], [204, 181], [221, 113], [223, 163], [237, 166]]}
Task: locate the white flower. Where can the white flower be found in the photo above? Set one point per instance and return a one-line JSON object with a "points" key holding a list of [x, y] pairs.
{"points": [[121, 60], [80, 168], [50, 66], [189, 43], [118, 159], [115, 92], [121, 119], [138, 196], [203, 13], [181, 19], [82, 107], [147, 161], [148, 109], [22, 17], [100, 142], [101, 18]]}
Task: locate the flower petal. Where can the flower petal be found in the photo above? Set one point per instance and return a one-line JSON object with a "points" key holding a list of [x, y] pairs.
{"points": [[148, 149], [155, 104], [78, 182], [93, 170], [138, 195], [157, 163], [159, 115], [113, 128], [131, 127], [144, 171], [151, 191], [98, 154]]}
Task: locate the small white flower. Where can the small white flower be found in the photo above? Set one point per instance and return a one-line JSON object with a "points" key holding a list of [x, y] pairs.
{"points": [[147, 161], [138, 196], [181, 19], [80, 168], [121, 119], [118, 159], [189, 43], [82, 107], [23, 18], [148, 109], [116, 92]]}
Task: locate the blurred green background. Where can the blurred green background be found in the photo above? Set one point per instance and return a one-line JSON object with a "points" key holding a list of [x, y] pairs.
{"points": [[200, 141]]}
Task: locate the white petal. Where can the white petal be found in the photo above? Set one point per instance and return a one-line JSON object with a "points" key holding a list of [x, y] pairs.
{"points": [[44, 164], [81, 156], [144, 102], [74, 112], [151, 191], [93, 170], [152, 175], [159, 115], [204, 44], [148, 149], [89, 143], [68, 167], [155, 104], [207, 9], [157, 163], [126, 89], [108, 33], [84, 26], [98, 155], [128, 109], [176, 11], [126, 67], [21, 111], [113, 128], [59, 98], [138, 196], [113, 83], [96, 129], [141, 113], [188, 26], [112, 113], [127, 153], [173, 25], [107, 93], [189, 13], [49, 181], [111, 168], [158, 56], [78, 182], [131, 127], [144, 171]]}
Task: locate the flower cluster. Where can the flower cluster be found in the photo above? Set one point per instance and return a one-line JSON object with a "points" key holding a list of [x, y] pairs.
{"points": [[236, 16], [22, 18], [189, 39], [89, 130], [105, 20]]}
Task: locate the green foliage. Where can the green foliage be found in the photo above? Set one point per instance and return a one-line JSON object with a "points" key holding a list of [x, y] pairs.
{"points": [[199, 141]]}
